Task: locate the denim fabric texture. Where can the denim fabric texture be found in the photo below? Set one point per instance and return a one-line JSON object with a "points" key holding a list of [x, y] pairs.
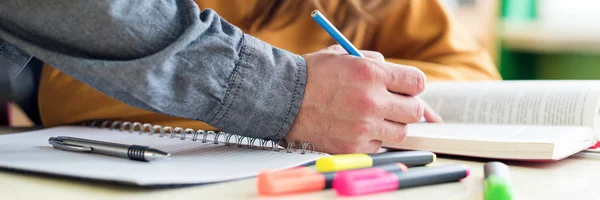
{"points": [[167, 56], [12, 61]]}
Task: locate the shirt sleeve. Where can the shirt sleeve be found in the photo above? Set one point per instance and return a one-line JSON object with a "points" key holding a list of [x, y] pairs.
{"points": [[165, 56], [422, 34]]}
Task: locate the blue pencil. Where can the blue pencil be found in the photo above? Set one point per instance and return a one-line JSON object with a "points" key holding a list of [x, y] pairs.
{"points": [[335, 33]]}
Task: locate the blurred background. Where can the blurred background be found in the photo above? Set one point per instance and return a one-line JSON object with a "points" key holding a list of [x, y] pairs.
{"points": [[536, 39], [528, 39]]}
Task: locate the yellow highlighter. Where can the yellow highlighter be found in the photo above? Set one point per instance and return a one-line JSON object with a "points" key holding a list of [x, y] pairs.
{"points": [[355, 161]]}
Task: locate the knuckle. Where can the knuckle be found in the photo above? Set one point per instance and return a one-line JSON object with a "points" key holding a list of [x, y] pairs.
{"points": [[361, 129], [377, 55], [411, 78], [410, 108], [418, 111], [417, 79], [379, 131], [363, 70], [335, 47], [351, 148], [400, 133], [366, 104]]}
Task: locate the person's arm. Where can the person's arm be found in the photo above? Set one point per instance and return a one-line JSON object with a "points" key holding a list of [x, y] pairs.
{"points": [[423, 35], [164, 56]]}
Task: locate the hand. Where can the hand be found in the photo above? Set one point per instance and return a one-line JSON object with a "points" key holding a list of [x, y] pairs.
{"points": [[352, 104]]}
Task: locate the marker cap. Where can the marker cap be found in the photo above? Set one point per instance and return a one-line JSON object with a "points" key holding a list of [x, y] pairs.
{"points": [[394, 168], [364, 181], [497, 169], [295, 180], [343, 162]]}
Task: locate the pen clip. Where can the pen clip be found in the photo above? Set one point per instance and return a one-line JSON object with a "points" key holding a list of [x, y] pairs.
{"points": [[59, 143]]}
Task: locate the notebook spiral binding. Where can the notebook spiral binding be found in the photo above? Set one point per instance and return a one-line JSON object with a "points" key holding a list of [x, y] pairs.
{"points": [[171, 132]]}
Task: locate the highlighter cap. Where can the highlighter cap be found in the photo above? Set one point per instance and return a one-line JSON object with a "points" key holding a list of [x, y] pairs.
{"points": [[364, 181], [497, 169], [295, 180], [343, 162]]}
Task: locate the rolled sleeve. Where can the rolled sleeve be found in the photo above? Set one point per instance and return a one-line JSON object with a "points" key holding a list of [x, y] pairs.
{"points": [[164, 56], [265, 91]]}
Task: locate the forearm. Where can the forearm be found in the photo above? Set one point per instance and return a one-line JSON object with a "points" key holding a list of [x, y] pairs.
{"points": [[166, 57]]}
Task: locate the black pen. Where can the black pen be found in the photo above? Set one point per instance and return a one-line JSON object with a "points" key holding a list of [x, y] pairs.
{"points": [[133, 152]]}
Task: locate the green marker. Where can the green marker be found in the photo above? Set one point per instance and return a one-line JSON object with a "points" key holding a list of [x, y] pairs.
{"points": [[497, 182]]}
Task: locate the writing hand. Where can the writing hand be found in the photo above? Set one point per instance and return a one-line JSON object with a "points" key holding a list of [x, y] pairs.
{"points": [[352, 104]]}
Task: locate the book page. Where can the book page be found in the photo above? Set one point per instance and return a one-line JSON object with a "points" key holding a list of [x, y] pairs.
{"points": [[566, 103], [191, 162]]}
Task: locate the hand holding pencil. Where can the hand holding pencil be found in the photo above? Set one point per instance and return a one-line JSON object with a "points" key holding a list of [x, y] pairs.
{"points": [[354, 102]]}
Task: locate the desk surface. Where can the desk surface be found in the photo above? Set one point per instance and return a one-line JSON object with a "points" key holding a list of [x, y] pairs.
{"points": [[572, 178]]}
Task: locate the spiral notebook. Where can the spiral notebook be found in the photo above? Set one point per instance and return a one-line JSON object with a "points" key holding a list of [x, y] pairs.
{"points": [[197, 157]]}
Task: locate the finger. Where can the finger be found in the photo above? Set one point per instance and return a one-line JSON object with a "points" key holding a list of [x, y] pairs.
{"points": [[373, 146], [403, 109], [429, 114], [373, 55], [336, 49], [403, 79], [391, 132], [432, 116]]}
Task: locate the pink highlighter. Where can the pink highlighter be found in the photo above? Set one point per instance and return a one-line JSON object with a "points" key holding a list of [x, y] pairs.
{"points": [[374, 180]]}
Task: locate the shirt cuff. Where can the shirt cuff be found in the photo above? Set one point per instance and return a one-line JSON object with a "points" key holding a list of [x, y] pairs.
{"points": [[265, 91]]}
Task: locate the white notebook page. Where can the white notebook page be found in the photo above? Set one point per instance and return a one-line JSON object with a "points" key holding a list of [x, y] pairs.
{"points": [[190, 162]]}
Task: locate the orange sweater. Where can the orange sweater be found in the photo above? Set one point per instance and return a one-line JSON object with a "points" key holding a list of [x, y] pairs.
{"points": [[417, 33]]}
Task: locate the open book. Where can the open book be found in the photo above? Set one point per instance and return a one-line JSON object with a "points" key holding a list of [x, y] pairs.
{"points": [[521, 120]]}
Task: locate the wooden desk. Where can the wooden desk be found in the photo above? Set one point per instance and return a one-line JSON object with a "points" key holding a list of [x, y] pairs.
{"points": [[573, 178]]}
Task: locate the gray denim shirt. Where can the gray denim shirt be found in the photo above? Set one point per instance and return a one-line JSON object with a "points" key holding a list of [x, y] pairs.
{"points": [[165, 56]]}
